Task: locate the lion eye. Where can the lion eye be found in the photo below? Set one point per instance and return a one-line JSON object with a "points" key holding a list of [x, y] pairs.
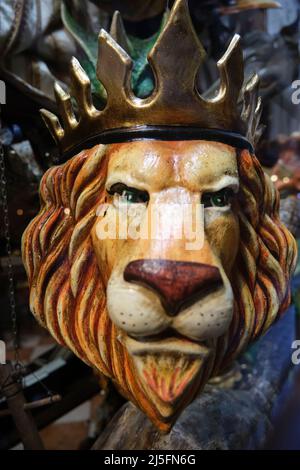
{"points": [[131, 195], [220, 198]]}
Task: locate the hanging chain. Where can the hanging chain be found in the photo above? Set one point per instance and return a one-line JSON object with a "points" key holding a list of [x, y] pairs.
{"points": [[10, 271], [10, 274]]}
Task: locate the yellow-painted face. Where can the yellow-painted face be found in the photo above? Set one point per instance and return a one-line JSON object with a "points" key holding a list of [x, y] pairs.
{"points": [[151, 173]]}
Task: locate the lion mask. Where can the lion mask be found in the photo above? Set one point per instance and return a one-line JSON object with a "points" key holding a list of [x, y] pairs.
{"points": [[158, 316]]}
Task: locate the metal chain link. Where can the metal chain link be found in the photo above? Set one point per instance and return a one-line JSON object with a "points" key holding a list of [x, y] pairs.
{"points": [[10, 271]]}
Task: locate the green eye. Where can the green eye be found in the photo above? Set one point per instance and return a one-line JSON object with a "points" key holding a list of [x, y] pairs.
{"points": [[134, 197], [131, 195], [218, 199]]}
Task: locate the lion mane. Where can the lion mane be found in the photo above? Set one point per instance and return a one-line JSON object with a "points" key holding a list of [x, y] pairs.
{"points": [[67, 294]]}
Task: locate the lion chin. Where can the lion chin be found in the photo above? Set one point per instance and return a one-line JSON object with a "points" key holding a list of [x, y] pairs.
{"points": [[167, 370]]}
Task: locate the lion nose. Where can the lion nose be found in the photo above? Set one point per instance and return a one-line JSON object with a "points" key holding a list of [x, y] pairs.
{"points": [[178, 283]]}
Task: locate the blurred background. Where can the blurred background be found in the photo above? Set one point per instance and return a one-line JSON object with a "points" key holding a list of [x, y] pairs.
{"points": [[37, 40]]}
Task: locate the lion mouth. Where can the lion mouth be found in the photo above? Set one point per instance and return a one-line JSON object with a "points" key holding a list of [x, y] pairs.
{"points": [[166, 342]]}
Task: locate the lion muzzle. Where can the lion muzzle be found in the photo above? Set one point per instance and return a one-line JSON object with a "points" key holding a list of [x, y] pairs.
{"points": [[178, 283]]}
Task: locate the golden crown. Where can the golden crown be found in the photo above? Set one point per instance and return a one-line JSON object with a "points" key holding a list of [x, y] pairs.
{"points": [[175, 110]]}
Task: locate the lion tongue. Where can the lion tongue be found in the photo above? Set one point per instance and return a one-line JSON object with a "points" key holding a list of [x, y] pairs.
{"points": [[167, 376]]}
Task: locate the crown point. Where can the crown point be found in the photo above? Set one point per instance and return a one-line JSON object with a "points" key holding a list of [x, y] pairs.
{"points": [[81, 88], [258, 108], [231, 63], [252, 109], [108, 43], [252, 83], [178, 34], [112, 57], [65, 107], [78, 72], [181, 4], [59, 92], [234, 45], [179, 29], [231, 69], [118, 33], [53, 125]]}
